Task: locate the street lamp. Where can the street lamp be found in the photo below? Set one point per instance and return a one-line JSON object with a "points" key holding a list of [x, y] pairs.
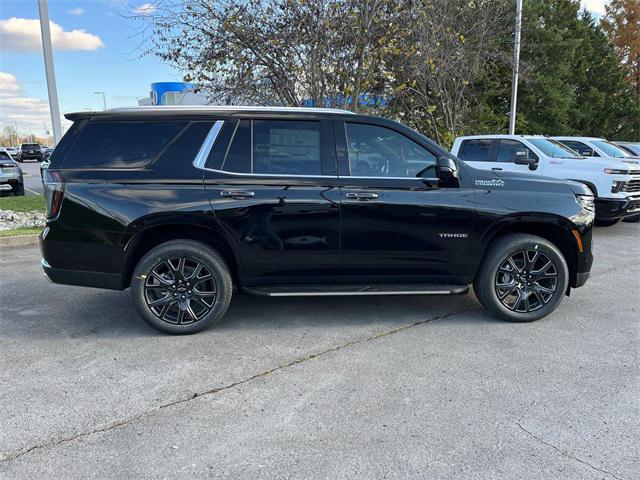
{"points": [[104, 99], [516, 68], [47, 49]]}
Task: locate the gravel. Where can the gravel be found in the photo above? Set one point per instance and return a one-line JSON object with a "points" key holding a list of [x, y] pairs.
{"points": [[10, 220]]}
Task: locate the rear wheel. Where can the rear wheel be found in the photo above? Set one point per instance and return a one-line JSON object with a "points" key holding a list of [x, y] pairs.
{"points": [[181, 287], [523, 278]]}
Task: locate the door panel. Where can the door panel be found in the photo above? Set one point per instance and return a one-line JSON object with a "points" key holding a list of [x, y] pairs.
{"points": [[282, 227], [276, 196], [396, 224]]}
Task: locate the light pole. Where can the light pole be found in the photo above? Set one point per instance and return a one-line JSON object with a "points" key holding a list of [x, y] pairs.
{"points": [[516, 68], [47, 49], [104, 99]]}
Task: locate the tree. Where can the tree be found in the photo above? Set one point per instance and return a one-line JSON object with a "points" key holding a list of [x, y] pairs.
{"points": [[278, 51], [622, 24]]}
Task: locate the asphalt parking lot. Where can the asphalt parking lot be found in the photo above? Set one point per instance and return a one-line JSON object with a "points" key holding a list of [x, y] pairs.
{"points": [[32, 181], [363, 387]]}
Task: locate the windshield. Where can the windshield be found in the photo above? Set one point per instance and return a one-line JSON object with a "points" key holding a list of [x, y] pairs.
{"points": [[634, 147], [553, 148], [30, 145], [610, 149]]}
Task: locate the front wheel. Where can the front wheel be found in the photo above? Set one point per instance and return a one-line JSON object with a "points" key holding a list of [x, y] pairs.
{"points": [[522, 278], [632, 219], [181, 287]]}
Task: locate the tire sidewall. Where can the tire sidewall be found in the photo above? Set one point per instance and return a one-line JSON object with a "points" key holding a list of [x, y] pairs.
{"points": [[185, 248], [497, 256]]}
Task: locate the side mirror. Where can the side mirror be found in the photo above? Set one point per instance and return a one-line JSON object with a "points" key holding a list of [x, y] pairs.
{"points": [[448, 170], [522, 158]]}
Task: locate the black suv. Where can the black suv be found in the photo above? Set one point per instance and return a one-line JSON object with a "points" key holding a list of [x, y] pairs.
{"points": [[30, 151], [183, 203]]}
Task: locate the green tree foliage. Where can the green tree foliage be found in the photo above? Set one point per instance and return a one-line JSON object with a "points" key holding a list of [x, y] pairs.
{"points": [[443, 66]]}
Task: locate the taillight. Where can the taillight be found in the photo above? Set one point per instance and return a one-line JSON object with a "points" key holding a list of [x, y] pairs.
{"points": [[7, 166], [53, 192]]}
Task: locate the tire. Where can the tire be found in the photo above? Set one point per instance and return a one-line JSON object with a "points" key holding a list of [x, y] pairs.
{"points": [[632, 219], [18, 189], [606, 223], [165, 275], [522, 304]]}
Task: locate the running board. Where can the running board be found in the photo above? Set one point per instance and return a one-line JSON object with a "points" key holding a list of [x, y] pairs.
{"points": [[339, 290]]}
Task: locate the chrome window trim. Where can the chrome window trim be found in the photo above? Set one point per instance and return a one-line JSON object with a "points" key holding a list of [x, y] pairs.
{"points": [[277, 175], [203, 154]]}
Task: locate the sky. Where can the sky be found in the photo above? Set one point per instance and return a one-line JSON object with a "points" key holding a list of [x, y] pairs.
{"points": [[96, 48]]}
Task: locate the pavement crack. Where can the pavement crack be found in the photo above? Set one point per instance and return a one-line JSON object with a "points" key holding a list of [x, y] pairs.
{"points": [[123, 422], [563, 452]]}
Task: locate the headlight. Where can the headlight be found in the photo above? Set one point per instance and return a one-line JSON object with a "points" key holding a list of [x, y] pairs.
{"points": [[616, 171], [586, 202]]}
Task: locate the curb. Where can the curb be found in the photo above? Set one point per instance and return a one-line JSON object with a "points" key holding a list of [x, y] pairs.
{"points": [[19, 240]]}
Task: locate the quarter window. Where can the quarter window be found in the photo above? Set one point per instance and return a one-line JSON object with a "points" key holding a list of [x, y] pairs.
{"points": [[286, 147], [381, 152], [121, 144], [239, 155], [477, 150]]}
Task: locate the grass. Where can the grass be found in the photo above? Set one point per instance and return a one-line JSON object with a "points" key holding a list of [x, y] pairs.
{"points": [[28, 203], [20, 231]]}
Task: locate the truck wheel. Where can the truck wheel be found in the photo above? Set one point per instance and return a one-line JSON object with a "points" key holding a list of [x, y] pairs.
{"points": [[522, 278], [181, 287], [606, 223], [632, 219]]}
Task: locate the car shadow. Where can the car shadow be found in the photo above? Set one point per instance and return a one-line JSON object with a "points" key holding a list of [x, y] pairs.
{"points": [[103, 313]]}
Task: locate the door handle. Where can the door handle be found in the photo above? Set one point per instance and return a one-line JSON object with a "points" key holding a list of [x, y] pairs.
{"points": [[362, 195], [237, 194]]}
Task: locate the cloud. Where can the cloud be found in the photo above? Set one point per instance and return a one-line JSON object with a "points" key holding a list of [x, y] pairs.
{"points": [[78, 11], [145, 9], [595, 6], [16, 107], [23, 35]]}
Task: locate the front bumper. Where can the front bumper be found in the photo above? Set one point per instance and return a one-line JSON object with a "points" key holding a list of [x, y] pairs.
{"points": [[614, 209]]}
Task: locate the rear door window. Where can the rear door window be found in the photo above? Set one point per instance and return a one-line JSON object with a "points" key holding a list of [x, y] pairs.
{"points": [[286, 147], [125, 144], [238, 158], [476, 150]]}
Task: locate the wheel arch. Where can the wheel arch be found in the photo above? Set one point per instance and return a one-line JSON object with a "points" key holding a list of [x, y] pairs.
{"points": [[143, 241], [591, 185], [554, 231]]}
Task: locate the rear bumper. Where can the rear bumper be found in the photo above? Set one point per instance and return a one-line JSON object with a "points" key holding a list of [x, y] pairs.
{"points": [[82, 278], [613, 209]]}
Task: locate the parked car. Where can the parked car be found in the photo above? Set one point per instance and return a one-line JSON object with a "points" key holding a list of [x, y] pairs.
{"points": [[13, 152], [632, 148], [614, 183], [44, 164], [183, 203], [11, 179], [30, 151], [595, 147], [46, 153]]}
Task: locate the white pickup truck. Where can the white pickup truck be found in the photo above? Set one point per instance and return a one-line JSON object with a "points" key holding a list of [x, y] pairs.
{"points": [[615, 183]]}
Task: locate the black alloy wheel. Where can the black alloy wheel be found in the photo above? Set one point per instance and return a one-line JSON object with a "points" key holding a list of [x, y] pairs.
{"points": [[180, 290], [181, 287], [526, 281], [522, 278]]}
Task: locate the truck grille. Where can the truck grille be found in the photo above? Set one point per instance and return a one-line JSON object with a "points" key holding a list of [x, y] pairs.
{"points": [[632, 186]]}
